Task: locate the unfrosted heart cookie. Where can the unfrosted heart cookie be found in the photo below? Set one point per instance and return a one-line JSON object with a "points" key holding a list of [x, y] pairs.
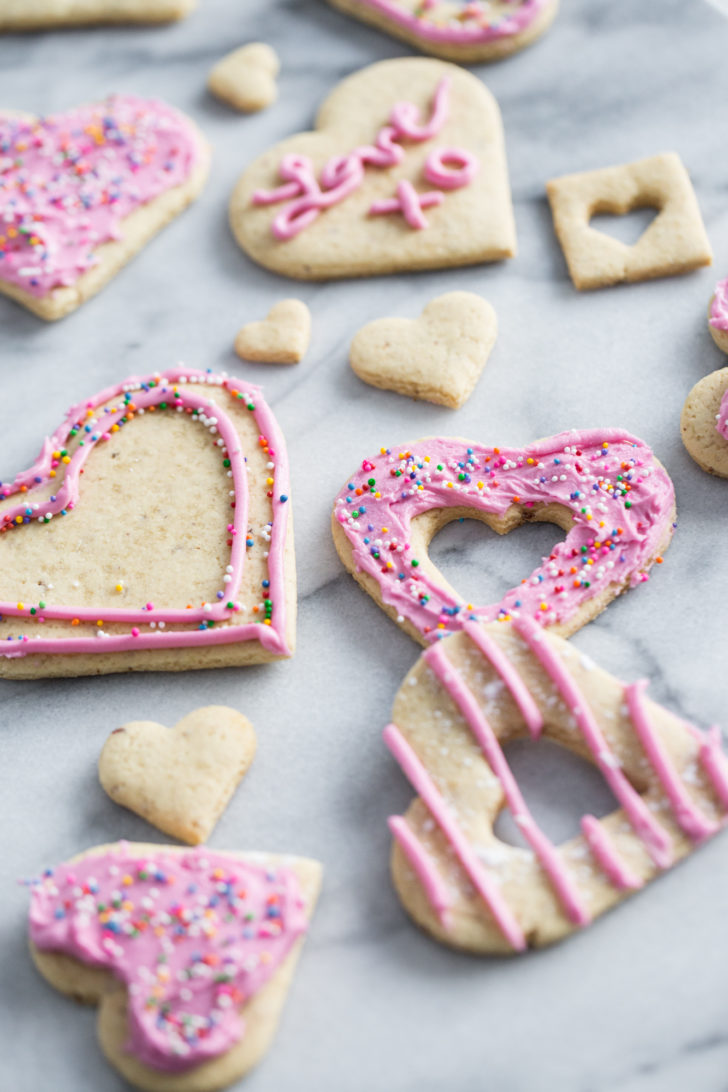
{"points": [[281, 338], [246, 78], [603, 487], [458, 30], [188, 954], [468, 696], [38, 14], [179, 779], [153, 532], [406, 170], [437, 357], [81, 192], [704, 423]]}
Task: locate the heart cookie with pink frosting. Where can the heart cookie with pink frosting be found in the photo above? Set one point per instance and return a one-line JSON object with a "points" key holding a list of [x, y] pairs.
{"points": [[82, 192]]}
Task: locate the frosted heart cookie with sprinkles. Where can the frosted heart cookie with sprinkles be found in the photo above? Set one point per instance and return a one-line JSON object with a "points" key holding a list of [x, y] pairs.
{"points": [[406, 170], [603, 487], [39, 14], [458, 30], [82, 192], [473, 693], [153, 532], [188, 954]]}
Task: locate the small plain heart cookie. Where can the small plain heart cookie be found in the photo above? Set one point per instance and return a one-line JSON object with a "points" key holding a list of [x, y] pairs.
{"points": [[282, 337], [246, 78], [437, 357], [179, 779], [704, 423]]}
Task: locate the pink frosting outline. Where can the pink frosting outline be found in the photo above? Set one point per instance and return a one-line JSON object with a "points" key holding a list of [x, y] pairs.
{"points": [[509, 24]]}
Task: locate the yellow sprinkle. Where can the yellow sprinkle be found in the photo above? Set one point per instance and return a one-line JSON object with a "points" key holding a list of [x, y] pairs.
{"points": [[21, 606]]}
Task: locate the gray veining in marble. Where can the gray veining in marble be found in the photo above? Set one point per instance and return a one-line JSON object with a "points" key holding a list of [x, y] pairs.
{"points": [[637, 1003]]}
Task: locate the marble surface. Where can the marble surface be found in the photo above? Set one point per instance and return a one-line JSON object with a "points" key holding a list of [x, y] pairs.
{"points": [[637, 1002]]}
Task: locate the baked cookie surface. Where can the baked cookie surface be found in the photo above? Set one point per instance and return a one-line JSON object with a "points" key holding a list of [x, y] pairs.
{"points": [[39, 14]]}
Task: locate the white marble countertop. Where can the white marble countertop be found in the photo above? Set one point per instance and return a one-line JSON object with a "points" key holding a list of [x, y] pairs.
{"points": [[637, 1002]]}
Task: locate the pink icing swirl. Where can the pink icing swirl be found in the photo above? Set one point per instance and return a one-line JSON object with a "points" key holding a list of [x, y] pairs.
{"points": [[719, 306], [68, 181], [722, 422], [473, 24], [192, 935]]}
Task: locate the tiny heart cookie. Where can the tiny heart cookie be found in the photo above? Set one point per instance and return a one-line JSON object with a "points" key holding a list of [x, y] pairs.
{"points": [[406, 170], [82, 192], [246, 78], [37, 14], [476, 691], [437, 357], [281, 338], [188, 953], [179, 779]]}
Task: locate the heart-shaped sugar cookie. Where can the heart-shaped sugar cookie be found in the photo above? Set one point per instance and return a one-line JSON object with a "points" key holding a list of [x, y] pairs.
{"points": [[437, 357], [246, 78], [281, 338], [179, 779], [406, 170], [81, 192]]}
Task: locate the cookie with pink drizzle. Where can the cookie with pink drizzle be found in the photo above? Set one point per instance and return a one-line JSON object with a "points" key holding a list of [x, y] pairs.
{"points": [[188, 954], [81, 192], [467, 31], [469, 696], [153, 532], [603, 487]]}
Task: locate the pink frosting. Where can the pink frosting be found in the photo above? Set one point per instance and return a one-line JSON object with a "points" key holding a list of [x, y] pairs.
{"points": [[193, 936], [472, 24], [719, 306], [620, 499], [68, 181], [134, 395], [722, 422]]}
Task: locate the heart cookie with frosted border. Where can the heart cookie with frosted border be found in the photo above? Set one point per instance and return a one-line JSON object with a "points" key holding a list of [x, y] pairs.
{"points": [[188, 953], [603, 487], [477, 690], [153, 532], [81, 192], [406, 170]]}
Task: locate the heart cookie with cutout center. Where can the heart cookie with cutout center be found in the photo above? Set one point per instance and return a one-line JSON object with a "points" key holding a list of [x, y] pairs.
{"points": [[282, 337], [406, 170], [437, 357], [604, 487], [82, 192], [179, 779]]}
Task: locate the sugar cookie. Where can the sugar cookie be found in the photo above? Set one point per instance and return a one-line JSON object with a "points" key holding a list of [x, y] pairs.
{"points": [[282, 337], [704, 423], [179, 779], [675, 241], [82, 192], [458, 30], [246, 78], [437, 357], [188, 953], [718, 315], [475, 691], [406, 170], [39, 14], [151, 533], [603, 487]]}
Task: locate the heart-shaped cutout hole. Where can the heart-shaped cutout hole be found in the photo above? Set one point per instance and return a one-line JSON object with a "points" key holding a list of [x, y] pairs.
{"points": [[626, 227]]}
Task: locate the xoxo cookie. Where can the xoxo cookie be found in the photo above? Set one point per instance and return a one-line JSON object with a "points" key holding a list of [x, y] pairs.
{"points": [[458, 30], [472, 693], [81, 192], [704, 423], [187, 953], [37, 14], [406, 170], [153, 532], [179, 779], [603, 487]]}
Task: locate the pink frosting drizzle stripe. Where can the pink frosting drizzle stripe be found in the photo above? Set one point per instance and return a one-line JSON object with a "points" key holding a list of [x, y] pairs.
{"points": [[519, 691], [505, 27], [423, 784], [546, 853], [714, 763], [655, 838], [719, 306], [688, 816], [271, 637], [420, 860], [599, 842]]}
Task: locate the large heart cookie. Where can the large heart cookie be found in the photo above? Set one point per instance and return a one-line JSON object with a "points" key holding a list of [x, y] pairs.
{"points": [[406, 170], [282, 337], [151, 533], [604, 487], [179, 779], [37, 14], [246, 78], [438, 357], [188, 954], [82, 192], [468, 696]]}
